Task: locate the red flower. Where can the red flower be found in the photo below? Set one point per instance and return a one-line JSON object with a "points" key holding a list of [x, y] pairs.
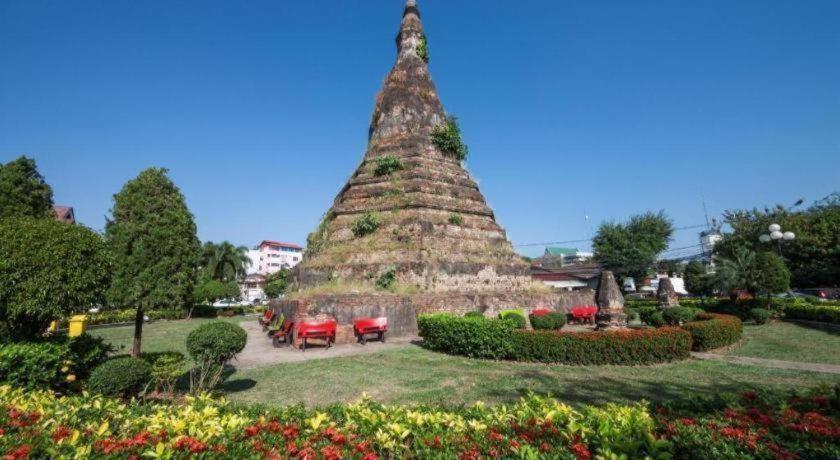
{"points": [[191, 444], [749, 395], [61, 432], [331, 453], [495, 436], [493, 453], [21, 453], [545, 447], [732, 432], [514, 444], [291, 432], [307, 453], [2, 432], [291, 449], [362, 446], [581, 451], [370, 456], [273, 426], [252, 430], [688, 421]]}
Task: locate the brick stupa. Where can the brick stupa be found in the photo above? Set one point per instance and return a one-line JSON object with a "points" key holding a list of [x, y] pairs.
{"points": [[435, 232]]}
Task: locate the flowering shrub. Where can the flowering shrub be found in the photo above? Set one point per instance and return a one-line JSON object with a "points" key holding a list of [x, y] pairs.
{"points": [[57, 362], [713, 330], [632, 346], [753, 426], [39, 425]]}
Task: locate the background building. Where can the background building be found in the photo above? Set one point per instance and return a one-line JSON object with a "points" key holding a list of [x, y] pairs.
{"points": [[272, 256]]}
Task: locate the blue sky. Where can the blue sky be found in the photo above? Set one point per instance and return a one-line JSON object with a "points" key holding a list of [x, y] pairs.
{"points": [[260, 109]]}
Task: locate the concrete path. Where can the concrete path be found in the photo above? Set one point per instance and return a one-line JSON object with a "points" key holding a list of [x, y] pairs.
{"points": [[774, 363], [260, 352]]}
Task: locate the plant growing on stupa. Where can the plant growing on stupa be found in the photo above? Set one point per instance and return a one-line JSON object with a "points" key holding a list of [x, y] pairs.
{"points": [[387, 165], [365, 225], [422, 49], [447, 138], [455, 219], [387, 279]]}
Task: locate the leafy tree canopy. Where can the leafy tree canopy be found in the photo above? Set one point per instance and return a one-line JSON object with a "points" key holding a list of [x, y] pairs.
{"points": [[697, 281], [631, 249], [813, 257], [224, 261], [276, 284], [756, 273], [48, 269], [23, 191]]}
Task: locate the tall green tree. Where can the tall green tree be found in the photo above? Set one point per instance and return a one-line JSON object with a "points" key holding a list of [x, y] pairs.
{"points": [[813, 257], [152, 236], [23, 191], [697, 280], [276, 283], [757, 273], [224, 261], [48, 269], [631, 249]]}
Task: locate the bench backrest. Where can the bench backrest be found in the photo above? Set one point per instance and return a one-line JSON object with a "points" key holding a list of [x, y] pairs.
{"points": [[584, 310], [268, 315], [366, 323], [325, 327]]}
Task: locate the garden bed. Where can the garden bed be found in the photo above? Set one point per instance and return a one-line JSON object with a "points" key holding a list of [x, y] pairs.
{"points": [[40, 425]]}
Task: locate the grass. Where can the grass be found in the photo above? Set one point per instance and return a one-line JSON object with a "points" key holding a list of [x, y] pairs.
{"points": [[157, 336], [789, 342], [414, 375]]}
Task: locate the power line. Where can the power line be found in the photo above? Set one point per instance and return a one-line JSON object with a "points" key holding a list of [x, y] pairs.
{"points": [[548, 243]]}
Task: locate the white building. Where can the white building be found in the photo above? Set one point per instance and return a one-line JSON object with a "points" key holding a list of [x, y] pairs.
{"points": [[272, 256]]}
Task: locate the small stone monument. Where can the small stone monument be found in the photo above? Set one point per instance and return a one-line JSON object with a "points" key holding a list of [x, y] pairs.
{"points": [[666, 295], [610, 304]]}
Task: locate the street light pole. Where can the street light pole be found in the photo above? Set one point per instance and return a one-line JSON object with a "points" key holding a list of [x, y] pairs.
{"points": [[777, 235]]}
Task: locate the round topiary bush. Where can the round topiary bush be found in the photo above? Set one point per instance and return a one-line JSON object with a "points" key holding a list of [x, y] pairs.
{"points": [[211, 346], [473, 314], [761, 315], [548, 321], [124, 377]]}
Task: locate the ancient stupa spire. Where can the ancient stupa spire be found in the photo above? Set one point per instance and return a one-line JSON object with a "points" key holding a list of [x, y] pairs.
{"points": [[408, 104]]}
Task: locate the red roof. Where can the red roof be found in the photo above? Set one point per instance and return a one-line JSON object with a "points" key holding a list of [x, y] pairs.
{"points": [[279, 243]]}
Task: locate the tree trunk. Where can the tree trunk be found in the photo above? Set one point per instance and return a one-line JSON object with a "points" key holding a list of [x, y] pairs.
{"points": [[138, 332]]}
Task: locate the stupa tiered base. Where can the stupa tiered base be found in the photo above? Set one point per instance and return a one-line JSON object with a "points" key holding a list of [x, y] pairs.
{"points": [[402, 310]]}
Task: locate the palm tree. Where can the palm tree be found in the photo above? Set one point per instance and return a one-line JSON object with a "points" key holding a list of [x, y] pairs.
{"points": [[224, 261], [737, 272]]}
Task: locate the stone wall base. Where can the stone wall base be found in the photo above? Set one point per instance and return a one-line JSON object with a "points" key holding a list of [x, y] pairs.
{"points": [[402, 310]]}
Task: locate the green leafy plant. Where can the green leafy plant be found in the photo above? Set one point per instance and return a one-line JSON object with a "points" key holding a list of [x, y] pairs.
{"points": [[387, 279], [761, 315], [211, 346], [23, 191], [804, 311], [422, 49], [517, 317], [474, 314], [447, 138], [166, 368], [125, 377], [548, 321], [387, 165], [455, 219], [48, 270], [468, 336], [365, 225], [55, 363]]}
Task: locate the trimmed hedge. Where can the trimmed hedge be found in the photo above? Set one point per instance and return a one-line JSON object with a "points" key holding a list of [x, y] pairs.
{"points": [[810, 312], [548, 321], [679, 315], [498, 339], [761, 315], [714, 330], [515, 316], [628, 347], [468, 336], [54, 363]]}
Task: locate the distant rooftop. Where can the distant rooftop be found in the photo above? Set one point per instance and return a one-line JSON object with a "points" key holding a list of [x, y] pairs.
{"points": [[278, 243], [557, 251], [64, 214]]}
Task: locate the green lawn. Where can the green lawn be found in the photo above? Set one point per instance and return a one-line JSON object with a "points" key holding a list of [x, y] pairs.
{"points": [[157, 335], [415, 375], [789, 342]]}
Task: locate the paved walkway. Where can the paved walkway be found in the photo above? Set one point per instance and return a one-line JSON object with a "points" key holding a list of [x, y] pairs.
{"points": [[260, 352], [774, 363]]}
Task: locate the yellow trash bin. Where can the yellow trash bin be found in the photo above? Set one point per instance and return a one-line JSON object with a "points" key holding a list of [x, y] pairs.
{"points": [[78, 324]]}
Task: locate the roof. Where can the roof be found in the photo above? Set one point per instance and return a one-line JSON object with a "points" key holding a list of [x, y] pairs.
{"points": [[556, 251], [582, 272], [64, 213], [279, 243]]}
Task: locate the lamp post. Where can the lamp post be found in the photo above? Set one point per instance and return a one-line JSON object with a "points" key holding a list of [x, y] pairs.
{"points": [[776, 235]]}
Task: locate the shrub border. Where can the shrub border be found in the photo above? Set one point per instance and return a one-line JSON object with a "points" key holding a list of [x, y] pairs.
{"points": [[714, 330]]}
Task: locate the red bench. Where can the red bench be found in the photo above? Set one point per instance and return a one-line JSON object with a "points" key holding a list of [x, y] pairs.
{"points": [[584, 313], [540, 311], [364, 326], [266, 319], [284, 333], [310, 330]]}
